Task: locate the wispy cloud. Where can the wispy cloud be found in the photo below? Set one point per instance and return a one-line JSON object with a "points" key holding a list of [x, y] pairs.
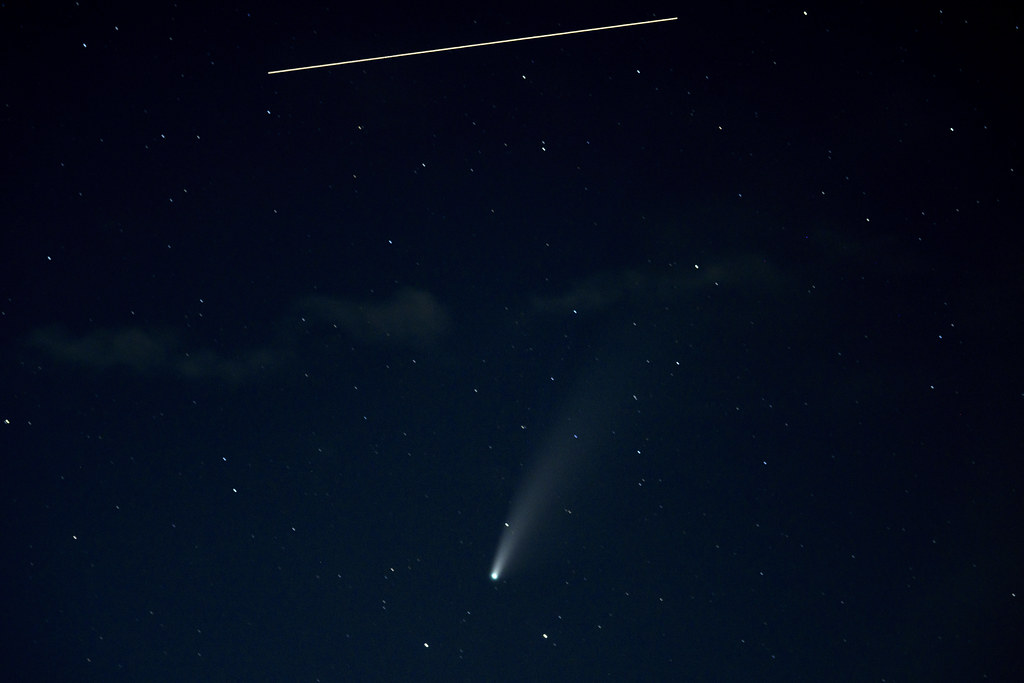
{"points": [[410, 317], [641, 287], [131, 348], [146, 352]]}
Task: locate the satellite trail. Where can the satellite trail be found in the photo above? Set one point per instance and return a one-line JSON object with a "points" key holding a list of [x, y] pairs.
{"points": [[466, 47]]}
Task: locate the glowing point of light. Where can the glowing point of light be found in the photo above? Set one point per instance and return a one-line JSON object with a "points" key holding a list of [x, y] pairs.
{"points": [[498, 566], [464, 47]]}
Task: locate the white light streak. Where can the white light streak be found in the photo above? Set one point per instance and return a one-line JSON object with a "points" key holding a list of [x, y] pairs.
{"points": [[466, 47]]}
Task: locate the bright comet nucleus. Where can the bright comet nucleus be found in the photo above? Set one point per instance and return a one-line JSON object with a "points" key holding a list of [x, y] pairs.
{"points": [[501, 556]]}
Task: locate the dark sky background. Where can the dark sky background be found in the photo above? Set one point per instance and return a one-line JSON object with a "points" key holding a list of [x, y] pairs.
{"points": [[280, 352]]}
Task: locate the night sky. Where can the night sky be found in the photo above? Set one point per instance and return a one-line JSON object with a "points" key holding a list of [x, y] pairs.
{"points": [[721, 315]]}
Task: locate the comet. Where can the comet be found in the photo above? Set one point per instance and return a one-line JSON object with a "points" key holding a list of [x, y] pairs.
{"points": [[577, 443], [538, 502], [472, 45]]}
